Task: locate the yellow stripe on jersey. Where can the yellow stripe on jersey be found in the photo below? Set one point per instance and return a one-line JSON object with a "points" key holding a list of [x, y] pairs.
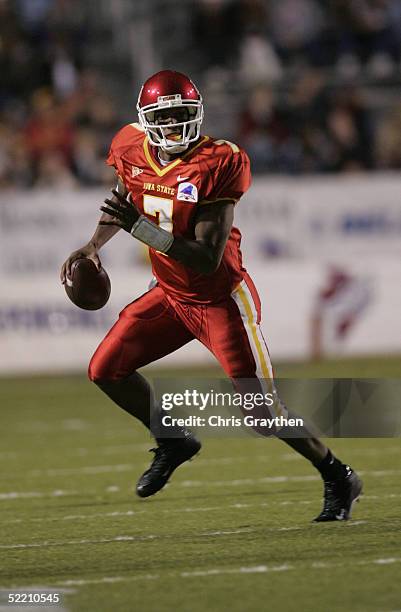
{"points": [[162, 171], [152, 163], [198, 144]]}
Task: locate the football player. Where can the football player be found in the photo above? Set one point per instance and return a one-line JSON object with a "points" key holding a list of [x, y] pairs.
{"points": [[176, 192]]}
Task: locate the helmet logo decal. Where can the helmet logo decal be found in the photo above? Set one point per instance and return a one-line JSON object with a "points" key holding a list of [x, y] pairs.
{"points": [[176, 98]]}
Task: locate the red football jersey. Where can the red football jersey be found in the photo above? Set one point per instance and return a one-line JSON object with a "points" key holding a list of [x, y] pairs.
{"points": [[210, 171]]}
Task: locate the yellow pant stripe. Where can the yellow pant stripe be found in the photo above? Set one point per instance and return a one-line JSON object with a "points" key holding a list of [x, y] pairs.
{"points": [[252, 324]]}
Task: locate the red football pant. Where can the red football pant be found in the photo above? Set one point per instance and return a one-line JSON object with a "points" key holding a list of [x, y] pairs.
{"points": [[155, 325]]}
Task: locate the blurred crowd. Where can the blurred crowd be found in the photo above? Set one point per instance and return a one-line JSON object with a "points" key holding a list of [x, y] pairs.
{"points": [[295, 78], [313, 78], [56, 122], [265, 37], [312, 129]]}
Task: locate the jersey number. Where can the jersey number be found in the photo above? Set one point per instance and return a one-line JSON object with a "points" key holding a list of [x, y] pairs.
{"points": [[161, 208]]}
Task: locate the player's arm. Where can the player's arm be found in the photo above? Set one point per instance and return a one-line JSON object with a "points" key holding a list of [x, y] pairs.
{"points": [[103, 233], [212, 229]]}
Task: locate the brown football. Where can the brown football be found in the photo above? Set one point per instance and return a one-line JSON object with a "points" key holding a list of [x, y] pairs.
{"points": [[88, 287]]}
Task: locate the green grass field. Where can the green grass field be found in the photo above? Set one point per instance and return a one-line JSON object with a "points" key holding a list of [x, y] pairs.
{"points": [[232, 531]]}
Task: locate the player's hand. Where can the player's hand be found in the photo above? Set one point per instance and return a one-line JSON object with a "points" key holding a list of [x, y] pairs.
{"points": [[89, 251], [123, 211]]}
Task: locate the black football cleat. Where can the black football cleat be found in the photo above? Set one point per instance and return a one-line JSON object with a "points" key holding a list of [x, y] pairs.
{"points": [[339, 497], [168, 456]]}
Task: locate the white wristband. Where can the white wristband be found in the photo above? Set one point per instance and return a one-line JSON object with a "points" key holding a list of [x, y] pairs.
{"points": [[151, 234]]}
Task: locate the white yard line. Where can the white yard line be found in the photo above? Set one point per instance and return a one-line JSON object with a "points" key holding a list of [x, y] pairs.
{"points": [[108, 580], [90, 470], [120, 538], [4, 496], [369, 452], [137, 447], [83, 451], [33, 494], [275, 479], [144, 538], [258, 569], [199, 462], [85, 541], [220, 571], [189, 510], [87, 470], [115, 514]]}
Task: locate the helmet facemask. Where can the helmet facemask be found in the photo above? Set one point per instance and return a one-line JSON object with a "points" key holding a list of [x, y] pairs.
{"points": [[173, 137]]}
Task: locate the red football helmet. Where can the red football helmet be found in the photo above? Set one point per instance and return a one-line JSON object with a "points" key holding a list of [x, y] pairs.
{"points": [[170, 110]]}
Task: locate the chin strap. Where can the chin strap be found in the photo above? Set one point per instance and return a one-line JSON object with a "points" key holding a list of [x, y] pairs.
{"points": [[163, 162], [174, 150]]}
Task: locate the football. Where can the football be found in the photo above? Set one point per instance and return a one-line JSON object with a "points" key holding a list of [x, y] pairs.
{"points": [[88, 287]]}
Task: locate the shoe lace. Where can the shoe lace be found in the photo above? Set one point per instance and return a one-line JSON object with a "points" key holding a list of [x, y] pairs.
{"points": [[330, 498], [160, 460]]}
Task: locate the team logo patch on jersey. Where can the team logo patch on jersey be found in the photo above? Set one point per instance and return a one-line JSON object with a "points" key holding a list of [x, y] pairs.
{"points": [[187, 192], [135, 171]]}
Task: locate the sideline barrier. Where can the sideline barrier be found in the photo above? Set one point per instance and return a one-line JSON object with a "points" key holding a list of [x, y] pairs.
{"points": [[325, 254]]}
